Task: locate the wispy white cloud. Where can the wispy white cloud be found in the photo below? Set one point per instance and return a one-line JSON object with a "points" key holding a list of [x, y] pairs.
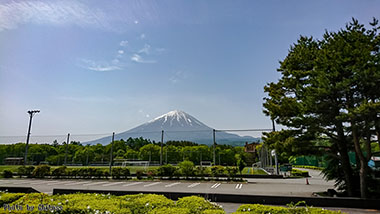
{"points": [[145, 49], [16, 13], [124, 43], [137, 58], [120, 52], [100, 66], [142, 36], [177, 77], [160, 50]]}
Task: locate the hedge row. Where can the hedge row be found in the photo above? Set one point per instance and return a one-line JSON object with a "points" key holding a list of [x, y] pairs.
{"points": [[136, 204], [101, 203], [308, 167], [184, 169], [258, 208], [299, 173]]}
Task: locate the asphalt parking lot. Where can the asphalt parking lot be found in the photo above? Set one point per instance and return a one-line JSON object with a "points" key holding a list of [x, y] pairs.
{"points": [[284, 187], [269, 187]]}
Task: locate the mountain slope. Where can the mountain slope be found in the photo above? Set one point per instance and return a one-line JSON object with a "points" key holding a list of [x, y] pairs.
{"points": [[177, 125]]}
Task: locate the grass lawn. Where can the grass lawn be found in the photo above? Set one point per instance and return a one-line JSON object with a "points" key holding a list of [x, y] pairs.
{"points": [[253, 171]]}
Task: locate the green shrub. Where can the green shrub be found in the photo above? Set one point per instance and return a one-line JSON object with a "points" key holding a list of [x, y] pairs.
{"points": [[186, 168], [151, 173], [299, 173], [7, 174], [25, 171], [212, 211], [196, 204], [120, 172], [84, 172], [258, 208], [166, 170], [139, 174], [217, 171], [126, 172], [149, 202], [106, 173], [171, 210], [232, 171], [6, 198], [116, 172], [60, 171], [308, 167], [41, 171]]}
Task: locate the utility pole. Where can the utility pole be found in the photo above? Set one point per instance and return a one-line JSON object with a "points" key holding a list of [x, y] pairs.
{"points": [[31, 113], [214, 146], [275, 153], [162, 147], [111, 153], [67, 147]]}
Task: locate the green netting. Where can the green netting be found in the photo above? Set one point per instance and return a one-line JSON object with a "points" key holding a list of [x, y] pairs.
{"points": [[319, 161]]}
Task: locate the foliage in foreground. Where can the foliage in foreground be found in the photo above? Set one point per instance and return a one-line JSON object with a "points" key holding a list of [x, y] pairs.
{"points": [[258, 209], [105, 203]]}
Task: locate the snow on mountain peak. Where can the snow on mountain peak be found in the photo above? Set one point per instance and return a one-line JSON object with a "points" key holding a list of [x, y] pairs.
{"points": [[182, 118]]}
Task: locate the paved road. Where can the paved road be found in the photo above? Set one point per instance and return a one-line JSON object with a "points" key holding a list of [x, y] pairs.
{"points": [[284, 187]]}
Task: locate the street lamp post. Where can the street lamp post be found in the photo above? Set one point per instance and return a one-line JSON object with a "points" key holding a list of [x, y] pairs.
{"points": [[31, 114]]}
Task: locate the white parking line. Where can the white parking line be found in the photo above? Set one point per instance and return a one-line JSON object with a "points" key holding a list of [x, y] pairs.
{"points": [[170, 185], [131, 184], [193, 185], [79, 183], [216, 185], [18, 182], [60, 182], [239, 186], [112, 184], [38, 182], [152, 184], [95, 183]]}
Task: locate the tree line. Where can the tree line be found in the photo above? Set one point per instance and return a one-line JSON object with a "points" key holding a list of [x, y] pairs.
{"points": [[130, 149]]}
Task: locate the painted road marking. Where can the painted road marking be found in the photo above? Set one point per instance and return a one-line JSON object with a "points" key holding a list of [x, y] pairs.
{"points": [[19, 182], [95, 183], [193, 185], [58, 182], [170, 185], [239, 186], [152, 184], [112, 184], [38, 182], [131, 184], [79, 183], [216, 185]]}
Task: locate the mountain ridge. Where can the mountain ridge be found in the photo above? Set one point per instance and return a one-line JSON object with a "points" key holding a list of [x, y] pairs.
{"points": [[177, 125]]}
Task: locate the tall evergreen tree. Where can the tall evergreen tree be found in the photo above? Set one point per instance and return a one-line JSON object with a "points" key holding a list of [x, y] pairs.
{"points": [[329, 88]]}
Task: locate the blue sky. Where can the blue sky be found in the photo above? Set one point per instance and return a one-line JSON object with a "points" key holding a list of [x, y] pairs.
{"points": [[104, 66]]}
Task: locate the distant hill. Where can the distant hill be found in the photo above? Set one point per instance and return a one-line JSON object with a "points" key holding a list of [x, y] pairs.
{"points": [[178, 125]]}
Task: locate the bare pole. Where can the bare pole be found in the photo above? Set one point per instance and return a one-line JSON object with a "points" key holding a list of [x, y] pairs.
{"points": [[67, 147], [275, 153], [111, 153], [214, 146], [162, 147], [31, 113]]}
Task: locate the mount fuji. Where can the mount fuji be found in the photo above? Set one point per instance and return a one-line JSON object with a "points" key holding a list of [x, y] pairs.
{"points": [[178, 126]]}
